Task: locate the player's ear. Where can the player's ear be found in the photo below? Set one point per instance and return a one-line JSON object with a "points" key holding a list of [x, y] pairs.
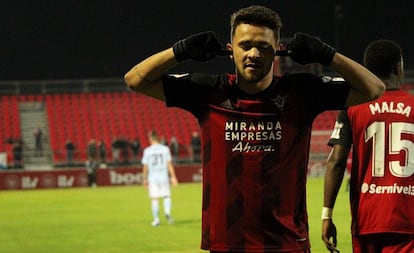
{"points": [[229, 47], [279, 47], [397, 69]]}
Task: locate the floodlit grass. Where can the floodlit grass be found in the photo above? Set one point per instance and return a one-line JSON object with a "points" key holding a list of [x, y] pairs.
{"points": [[117, 219]]}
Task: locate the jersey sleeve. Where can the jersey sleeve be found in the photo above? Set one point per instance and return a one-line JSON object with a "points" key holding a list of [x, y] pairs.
{"points": [[331, 93], [191, 91], [321, 93], [144, 159], [342, 133]]}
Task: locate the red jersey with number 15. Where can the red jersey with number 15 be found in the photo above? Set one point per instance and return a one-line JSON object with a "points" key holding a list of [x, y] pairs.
{"points": [[382, 174]]}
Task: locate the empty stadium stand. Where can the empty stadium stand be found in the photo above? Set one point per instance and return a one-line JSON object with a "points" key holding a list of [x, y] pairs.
{"points": [[81, 117], [321, 132], [10, 123]]}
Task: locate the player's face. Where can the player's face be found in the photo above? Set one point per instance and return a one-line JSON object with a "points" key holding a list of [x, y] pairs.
{"points": [[253, 52]]}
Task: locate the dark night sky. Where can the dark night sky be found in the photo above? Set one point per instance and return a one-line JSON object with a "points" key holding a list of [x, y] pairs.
{"points": [[52, 39]]}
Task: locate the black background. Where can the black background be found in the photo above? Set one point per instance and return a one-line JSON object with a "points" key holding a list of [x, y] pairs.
{"points": [[53, 39]]}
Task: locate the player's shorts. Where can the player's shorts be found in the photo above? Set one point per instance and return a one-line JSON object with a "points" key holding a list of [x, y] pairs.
{"points": [[159, 190], [385, 243]]}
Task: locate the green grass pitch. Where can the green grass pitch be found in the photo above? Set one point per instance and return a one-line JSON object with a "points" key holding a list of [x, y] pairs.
{"points": [[117, 219]]}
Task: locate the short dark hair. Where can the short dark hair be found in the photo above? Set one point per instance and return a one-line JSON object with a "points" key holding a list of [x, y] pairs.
{"points": [[153, 135], [256, 15], [381, 56]]}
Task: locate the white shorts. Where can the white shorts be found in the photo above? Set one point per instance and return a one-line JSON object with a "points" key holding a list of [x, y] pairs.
{"points": [[159, 190]]}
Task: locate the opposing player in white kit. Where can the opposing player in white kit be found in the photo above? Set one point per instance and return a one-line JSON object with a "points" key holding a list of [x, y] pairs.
{"points": [[157, 172]]}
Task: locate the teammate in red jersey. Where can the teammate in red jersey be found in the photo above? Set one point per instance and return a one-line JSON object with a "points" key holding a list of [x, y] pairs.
{"points": [[381, 134], [255, 127]]}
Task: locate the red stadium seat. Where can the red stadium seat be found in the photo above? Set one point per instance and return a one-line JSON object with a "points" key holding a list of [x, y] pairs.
{"points": [[105, 115]]}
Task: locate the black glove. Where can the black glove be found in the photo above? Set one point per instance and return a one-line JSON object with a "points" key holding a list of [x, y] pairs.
{"points": [[202, 47], [306, 49]]}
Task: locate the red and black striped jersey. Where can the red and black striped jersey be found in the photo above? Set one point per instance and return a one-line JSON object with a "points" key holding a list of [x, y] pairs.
{"points": [[255, 156]]}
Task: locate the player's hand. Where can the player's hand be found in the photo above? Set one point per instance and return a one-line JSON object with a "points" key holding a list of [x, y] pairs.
{"points": [[201, 47], [174, 181], [328, 232], [145, 183], [306, 49]]}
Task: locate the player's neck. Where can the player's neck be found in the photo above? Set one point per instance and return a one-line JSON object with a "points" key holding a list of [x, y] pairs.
{"points": [[252, 88]]}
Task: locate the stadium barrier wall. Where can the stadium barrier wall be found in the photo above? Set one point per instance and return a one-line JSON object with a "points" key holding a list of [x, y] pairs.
{"points": [[132, 176], [21, 180], [68, 178], [78, 177]]}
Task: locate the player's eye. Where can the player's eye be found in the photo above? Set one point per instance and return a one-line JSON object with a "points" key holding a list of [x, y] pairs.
{"points": [[262, 47]]}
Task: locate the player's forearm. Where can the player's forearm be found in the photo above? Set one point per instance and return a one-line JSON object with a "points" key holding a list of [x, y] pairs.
{"points": [[365, 86], [144, 172], [333, 178], [148, 72], [171, 171]]}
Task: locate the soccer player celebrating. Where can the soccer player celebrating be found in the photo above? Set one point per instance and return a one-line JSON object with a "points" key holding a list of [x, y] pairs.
{"points": [[157, 171], [255, 126], [381, 135]]}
